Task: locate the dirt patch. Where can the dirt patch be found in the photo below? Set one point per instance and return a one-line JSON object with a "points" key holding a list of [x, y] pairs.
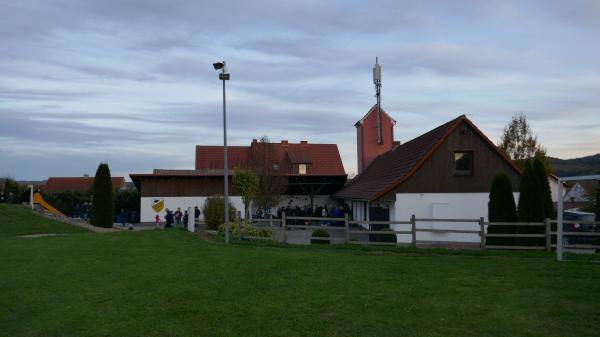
{"points": [[31, 236]]}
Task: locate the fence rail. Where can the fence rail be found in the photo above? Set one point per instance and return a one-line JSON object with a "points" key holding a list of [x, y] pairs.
{"points": [[548, 234]]}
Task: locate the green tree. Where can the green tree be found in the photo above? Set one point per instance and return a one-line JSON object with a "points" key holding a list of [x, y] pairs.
{"points": [[520, 144], [501, 208], [535, 201], [543, 200], [14, 192], [102, 198], [246, 183], [526, 194]]}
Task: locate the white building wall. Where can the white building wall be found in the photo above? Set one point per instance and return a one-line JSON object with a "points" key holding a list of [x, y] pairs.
{"points": [[441, 205], [148, 214], [554, 189]]}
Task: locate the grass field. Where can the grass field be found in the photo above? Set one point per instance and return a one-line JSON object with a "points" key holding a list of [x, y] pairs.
{"points": [[171, 283]]}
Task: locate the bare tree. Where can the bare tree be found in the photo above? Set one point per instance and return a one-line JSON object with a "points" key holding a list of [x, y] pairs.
{"points": [[271, 179]]}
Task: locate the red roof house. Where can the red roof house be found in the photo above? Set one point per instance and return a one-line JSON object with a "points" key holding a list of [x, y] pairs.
{"points": [[80, 184]]}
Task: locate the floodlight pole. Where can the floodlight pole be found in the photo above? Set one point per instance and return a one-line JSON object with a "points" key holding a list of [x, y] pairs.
{"points": [[225, 169]]}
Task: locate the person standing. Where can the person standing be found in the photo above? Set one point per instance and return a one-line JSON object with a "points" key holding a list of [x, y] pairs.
{"points": [[157, 220], [168, 218], [178, 216], [196, 213]]}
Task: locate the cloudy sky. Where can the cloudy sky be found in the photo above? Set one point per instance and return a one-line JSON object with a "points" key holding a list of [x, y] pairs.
{"points": [[130, 82]]}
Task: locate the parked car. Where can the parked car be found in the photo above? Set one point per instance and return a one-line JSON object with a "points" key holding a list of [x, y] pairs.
{"points": [[571, 224]]}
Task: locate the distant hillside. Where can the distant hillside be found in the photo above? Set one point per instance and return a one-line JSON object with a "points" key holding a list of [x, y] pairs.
{"points": [[576, 167]]}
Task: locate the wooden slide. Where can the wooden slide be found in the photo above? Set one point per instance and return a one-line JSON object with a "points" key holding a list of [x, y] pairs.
{"points": [[37, 198]]}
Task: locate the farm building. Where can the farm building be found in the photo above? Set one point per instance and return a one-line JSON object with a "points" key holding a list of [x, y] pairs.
{"points": [[313, 172], [444, 173]]}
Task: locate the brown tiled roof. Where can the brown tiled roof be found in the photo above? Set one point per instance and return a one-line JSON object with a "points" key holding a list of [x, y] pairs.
{"points": [[392, 168], [81, 184]]}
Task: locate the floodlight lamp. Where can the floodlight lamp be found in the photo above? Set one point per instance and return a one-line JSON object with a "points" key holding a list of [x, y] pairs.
{"points": [[218, 65]]}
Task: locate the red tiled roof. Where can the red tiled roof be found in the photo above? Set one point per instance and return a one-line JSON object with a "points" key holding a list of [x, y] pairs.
{"points": [[325, 158], [392, 168], [211, 157], [81, 184]]}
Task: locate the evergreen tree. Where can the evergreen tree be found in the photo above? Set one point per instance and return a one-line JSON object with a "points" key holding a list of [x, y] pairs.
{"points": [[501, 208], [102, 198], [526, 194], [544, 204]]}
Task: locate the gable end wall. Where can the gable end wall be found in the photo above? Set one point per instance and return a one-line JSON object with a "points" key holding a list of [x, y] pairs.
{"points": [[436, 175]]}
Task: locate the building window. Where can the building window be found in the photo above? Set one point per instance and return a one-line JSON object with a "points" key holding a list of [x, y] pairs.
{"points": [[301, 168], [463, 163]]}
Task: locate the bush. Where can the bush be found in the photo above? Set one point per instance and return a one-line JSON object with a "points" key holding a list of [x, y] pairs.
{"points": [[129, 201], [13, 191], [247, 230], [67, 201], [214, 212], [102, 198], [501, 208], [320, 233]]}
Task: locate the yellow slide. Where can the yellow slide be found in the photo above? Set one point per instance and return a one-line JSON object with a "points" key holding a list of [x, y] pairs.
{"points": [[37, 198]]}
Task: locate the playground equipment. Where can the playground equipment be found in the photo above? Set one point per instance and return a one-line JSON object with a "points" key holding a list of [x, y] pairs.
{"points": [[38, 199]]}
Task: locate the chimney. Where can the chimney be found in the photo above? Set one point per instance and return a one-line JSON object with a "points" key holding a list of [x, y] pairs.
{"points": [[254, 141], [85, 176], [284, 142], [304, 142]]}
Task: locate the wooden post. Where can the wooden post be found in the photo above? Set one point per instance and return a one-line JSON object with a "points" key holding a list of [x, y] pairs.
{"points": [[482, 232], [548, 235], [347, 225], [283, 227], [239, 227], [413, 224]]}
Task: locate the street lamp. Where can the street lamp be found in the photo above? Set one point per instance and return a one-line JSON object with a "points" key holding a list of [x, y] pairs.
{"points": [[224, 76]]}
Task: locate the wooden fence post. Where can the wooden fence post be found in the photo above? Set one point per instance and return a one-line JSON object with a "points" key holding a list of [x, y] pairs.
{"points": [[347, 225], [239, 227], [413, 224], [548, 235], [482, 233], [283, 227]]}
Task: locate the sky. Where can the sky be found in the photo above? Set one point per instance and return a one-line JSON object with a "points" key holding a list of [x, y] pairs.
{"points": [[131, 82]]}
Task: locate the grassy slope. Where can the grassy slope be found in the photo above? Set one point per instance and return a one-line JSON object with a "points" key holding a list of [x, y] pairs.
{"points": [[158, 283], [19, 220]]}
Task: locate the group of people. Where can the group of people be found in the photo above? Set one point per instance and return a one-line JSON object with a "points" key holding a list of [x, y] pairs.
{"points": [[82, 210], [307, 211], [176, 218]]}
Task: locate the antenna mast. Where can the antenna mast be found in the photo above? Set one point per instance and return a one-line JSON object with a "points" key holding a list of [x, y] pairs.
{"points": [[377, 82]]}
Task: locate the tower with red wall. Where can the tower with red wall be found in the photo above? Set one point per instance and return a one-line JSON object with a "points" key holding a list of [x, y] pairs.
{"points": [[367, 137]]}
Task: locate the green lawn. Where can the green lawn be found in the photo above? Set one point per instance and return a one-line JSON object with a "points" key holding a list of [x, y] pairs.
{"points": [[171, 283], [18, 220]]}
